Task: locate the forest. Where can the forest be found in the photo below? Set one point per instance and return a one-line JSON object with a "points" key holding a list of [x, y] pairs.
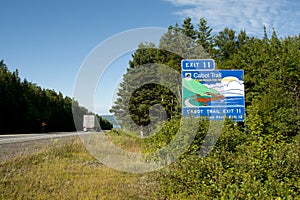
{"points": [[255, 159], [25, 107]]}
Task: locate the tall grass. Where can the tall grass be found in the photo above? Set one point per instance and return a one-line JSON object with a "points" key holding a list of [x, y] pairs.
{"points": [[70, 172]]}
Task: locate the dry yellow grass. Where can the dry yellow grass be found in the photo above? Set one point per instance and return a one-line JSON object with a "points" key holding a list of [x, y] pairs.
{"points": [[70, 172]]}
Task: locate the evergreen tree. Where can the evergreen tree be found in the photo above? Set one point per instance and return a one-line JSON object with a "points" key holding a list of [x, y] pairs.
{"points": [[270, 82], [225, 43], [242, 39], [133, 105], [204, 36], [188, 28]]}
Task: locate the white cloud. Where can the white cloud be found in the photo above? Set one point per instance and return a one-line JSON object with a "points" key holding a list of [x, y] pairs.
{"points": [[251, 15]]}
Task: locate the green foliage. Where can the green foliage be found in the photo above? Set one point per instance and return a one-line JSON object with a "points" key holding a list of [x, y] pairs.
{"points": [[143, 85], [140, 92], [240, 166], [188, 28], [104, 124], [257, 159], [271, 82], [260, 158], [163, 137], [205, 38]]}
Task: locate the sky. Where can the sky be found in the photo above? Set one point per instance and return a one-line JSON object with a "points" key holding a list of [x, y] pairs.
{"points": [[49, 40]]}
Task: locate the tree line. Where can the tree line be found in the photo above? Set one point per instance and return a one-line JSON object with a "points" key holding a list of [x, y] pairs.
{"points": [[25, 107]]}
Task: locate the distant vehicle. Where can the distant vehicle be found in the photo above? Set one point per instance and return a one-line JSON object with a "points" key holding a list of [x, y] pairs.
{"points": [[90, 123]]}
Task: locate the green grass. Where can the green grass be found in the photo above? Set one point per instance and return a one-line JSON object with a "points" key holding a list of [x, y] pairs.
{"points": [[70, 172], [127, 142]]}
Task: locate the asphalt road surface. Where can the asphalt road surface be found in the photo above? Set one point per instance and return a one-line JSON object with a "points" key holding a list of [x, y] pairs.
{"points": [[12, 146], [4, 139]]}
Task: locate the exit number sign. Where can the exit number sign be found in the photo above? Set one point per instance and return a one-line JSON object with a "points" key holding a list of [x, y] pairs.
{"points": [[202, 64]]}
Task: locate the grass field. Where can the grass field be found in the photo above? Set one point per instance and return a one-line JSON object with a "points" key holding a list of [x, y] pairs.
{"points": [[70, 172]]}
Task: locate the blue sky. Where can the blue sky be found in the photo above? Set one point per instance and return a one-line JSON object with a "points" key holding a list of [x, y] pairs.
{"points": [[48, 40]]}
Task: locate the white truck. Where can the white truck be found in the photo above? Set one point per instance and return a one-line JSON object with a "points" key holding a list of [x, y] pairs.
{"points": [[90, 123]]}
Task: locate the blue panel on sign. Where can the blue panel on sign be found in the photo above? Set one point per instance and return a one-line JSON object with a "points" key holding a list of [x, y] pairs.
{"points": [[203, 64], [215, 94]]}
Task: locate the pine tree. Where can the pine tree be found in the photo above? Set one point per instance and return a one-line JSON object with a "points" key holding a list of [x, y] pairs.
{"points": [[226, 44], [133, 105], [188, 28], [204, 37]]}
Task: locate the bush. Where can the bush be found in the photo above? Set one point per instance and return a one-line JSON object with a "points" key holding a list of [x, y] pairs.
{"points": [[240, 166]]}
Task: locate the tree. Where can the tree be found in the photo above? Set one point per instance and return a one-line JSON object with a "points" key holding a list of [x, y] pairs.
{"points": [[271, 81], [188, 28], [204, 36], [143, 85], [225, 43], [140, 90]]}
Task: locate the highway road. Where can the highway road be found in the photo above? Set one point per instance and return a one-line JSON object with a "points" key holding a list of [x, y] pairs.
{"points": [[5, 139]]}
